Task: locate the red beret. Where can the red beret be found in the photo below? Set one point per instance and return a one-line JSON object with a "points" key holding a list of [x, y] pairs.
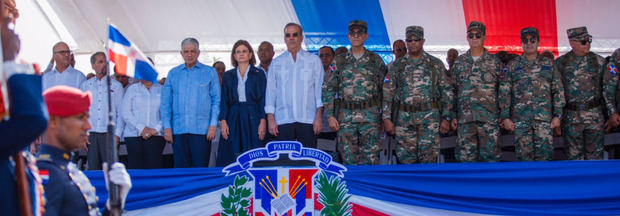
{"points": [[66, 101]]}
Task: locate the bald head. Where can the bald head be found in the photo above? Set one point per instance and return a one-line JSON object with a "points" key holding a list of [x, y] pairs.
{"points": [[61, 55]]}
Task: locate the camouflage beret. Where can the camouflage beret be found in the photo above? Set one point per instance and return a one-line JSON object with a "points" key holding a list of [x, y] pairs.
{"points": [[477, 25], [360, 24], [578, 33], [529, 31], [418, 31]]}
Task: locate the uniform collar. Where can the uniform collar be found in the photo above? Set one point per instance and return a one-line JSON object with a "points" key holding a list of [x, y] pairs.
{"points": [[51, 153]]}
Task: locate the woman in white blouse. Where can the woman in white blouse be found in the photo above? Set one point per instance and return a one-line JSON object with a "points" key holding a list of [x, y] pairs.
{"points": [[143, 127]]}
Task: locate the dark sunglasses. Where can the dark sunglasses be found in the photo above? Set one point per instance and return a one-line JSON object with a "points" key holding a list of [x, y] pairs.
{"points": [[477, 35], [357, 33], [531, 40], [287, 35], [585, 41], [409, 40]]}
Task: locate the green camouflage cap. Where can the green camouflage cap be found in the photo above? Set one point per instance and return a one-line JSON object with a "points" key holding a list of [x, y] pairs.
{"points": [[477, 25], [578, 33], [360, 24], [418, 31], [529, 31]]}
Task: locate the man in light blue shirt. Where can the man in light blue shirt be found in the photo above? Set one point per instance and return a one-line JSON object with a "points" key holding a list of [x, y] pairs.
{"points": [[190, 105], [293, 97]]}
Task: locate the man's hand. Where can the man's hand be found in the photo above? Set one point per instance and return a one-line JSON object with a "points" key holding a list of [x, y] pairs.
{"points": [[333, 123], [454, 124], [388, 126], [118, 175], [614, 120], [271, 122], [444, 127], [168, 135], [317, 126], [508, 124], [211, 133], [262, 129], [555, 126], [225, 129]]}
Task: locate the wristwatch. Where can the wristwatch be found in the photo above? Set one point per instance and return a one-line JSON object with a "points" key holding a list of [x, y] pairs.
{"points": [[558, 116], [447, 118]]}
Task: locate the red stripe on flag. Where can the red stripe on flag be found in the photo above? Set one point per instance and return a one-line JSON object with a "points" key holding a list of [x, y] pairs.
{"points": [[2, 109], [317, 205], [505, 19], [120, 61], [359, 210]]}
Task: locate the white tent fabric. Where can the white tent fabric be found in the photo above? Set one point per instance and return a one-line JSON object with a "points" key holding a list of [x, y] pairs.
{"points": [[158, 26]]}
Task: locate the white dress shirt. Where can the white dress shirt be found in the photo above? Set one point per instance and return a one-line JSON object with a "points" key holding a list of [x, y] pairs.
{"points": [[99, 105], [241, 84], [294, 88], [69, 77], [140, 109]]}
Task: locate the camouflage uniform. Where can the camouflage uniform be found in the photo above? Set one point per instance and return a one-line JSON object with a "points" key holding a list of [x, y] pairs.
{"points": [[611, 86], [419, 84], [582, 124], [356, 81], [477, 83], [531, 94]]}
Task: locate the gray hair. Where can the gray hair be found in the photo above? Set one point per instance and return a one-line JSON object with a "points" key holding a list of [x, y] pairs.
{"points": [[190, 40], [92, 57], [301, 30]]}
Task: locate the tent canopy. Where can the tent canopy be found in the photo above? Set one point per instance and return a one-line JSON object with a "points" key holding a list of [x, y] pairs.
{"points": [[158, 26]]}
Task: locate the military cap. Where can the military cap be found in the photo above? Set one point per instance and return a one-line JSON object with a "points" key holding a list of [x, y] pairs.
{"points": [[477, 25], [66, 101], [418, 31], [360, 24], [578, 33], [529, 31]]}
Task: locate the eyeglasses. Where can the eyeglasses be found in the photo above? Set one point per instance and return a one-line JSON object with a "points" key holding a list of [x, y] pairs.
{"points": [[63, 52], [241, 51], [357, 33], [288, 35], [472, 35], [409, 40], [585, 41], [531, 40]]}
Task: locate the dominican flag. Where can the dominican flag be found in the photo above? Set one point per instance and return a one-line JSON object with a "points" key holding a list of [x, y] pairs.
{"points": [[128, 58]]}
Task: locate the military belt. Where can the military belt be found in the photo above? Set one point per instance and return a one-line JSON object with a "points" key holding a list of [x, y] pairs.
{"points": [[583, 106], [418, 107], [354, 105]]}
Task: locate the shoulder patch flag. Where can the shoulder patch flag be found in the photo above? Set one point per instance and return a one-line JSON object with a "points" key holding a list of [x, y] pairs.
{"points": [[612, 68], [332, 68]]}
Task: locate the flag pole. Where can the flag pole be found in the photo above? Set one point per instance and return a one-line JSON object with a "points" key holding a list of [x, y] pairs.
{"points": [[112, 156]]}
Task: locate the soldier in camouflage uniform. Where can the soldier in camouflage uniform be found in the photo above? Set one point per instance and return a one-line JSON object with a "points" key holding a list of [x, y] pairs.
{"points": [[582, 75], [413, 88], [611, 90], [357, 79], [531, 95], [477, 74]]}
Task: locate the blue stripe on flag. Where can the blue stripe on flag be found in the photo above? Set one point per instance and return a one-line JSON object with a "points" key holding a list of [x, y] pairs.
{"points": [[117, 37], [145, 71], [326, 23]]}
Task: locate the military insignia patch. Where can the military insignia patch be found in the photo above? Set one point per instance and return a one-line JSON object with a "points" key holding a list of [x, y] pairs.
{"points": [[503, 74], [286, 191], [332, 67], [45, 176], [387, 79], [612, 69]]}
